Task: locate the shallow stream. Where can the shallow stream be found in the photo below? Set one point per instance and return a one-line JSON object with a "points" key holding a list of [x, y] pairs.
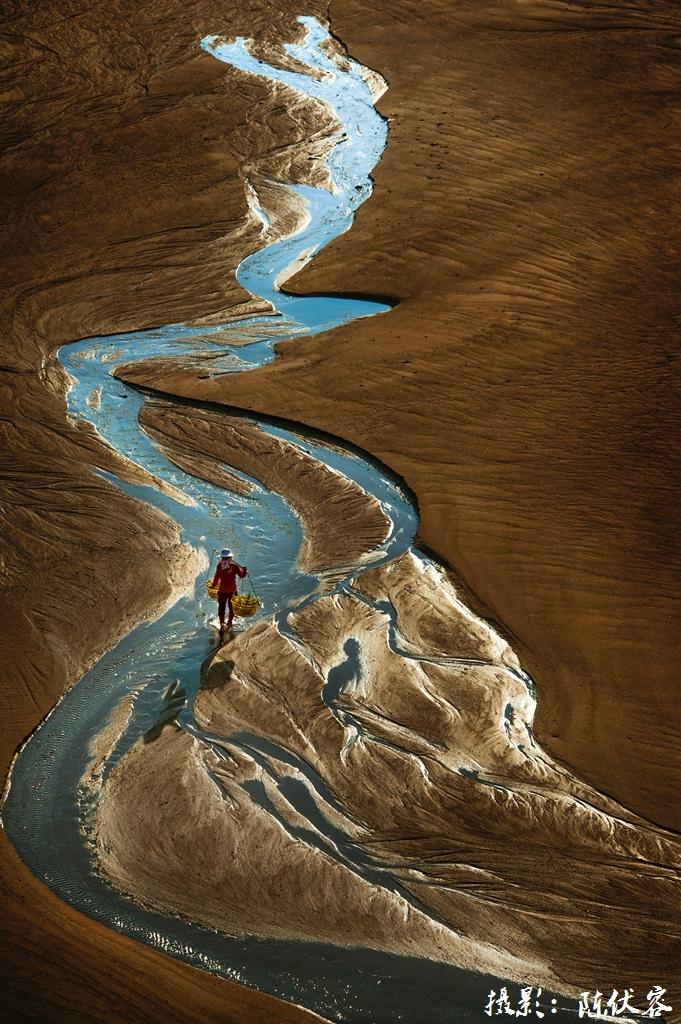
{"points": [[47, 807]]}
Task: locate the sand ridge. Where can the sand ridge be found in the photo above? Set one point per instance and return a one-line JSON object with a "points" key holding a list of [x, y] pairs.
{"points": [[102, 235], [539, 191], [526, 386], [341, 522], [439, 820]]}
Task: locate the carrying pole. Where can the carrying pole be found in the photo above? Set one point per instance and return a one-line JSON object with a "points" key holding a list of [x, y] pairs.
{"points": [[216, 551], [250, 581]]}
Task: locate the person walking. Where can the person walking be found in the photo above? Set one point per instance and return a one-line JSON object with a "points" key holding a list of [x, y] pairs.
{"points": [[225, 582]]}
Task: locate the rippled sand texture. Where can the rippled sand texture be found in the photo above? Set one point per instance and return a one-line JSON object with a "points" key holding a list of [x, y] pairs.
{"points": [[122, 207], [117, 220], [352, 523], [404, 806], [526, 215]]}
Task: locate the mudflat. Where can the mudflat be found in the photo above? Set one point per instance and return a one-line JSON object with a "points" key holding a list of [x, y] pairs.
{"points": [[526, 217], [526, 386], [122, 143], [341, 522], [443, 830]]}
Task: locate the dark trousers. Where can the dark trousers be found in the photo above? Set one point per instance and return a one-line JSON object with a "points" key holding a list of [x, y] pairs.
{"points": [[224, 599]]}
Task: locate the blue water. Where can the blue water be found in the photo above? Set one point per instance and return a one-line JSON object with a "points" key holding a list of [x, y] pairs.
{"points": [[46, 811]]}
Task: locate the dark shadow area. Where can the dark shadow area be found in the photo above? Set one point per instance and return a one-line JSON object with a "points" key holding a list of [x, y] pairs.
{"points": [[174, 700], [340, 675], [388, 300], [216, 675]]}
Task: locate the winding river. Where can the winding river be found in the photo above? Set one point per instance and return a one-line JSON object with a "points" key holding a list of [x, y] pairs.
{"points": [[47, 808]]}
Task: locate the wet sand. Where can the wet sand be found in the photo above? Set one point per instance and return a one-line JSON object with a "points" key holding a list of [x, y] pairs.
{"points": [[123, 208], [351, 523], [528, 386], [441, 827], [526, 216]]}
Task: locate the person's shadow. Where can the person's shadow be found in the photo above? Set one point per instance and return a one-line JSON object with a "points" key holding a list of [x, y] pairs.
{"points": [[174, 699], [213, 676], [216, 675]]}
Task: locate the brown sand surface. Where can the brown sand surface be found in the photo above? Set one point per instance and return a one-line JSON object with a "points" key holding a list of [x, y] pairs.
{"points": [[526, 216], [432, 618], [341, 522], [121, 208], [522, 869], [242, 873]]}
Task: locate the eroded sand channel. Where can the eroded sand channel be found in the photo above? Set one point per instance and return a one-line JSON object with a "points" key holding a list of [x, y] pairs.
{"points": [[357, 769]]}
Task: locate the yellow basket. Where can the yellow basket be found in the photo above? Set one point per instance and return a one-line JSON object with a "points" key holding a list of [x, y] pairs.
{"points": [[245, 604]]}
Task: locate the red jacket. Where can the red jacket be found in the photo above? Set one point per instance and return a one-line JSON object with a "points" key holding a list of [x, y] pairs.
{"points": [[225, 576]]}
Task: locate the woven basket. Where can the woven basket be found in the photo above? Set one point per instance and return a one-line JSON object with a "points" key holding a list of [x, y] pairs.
{"points": [[245, 604], [242, 604]]}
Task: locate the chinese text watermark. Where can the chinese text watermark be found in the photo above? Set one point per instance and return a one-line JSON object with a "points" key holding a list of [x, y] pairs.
{"points": [[593, 1005]]}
